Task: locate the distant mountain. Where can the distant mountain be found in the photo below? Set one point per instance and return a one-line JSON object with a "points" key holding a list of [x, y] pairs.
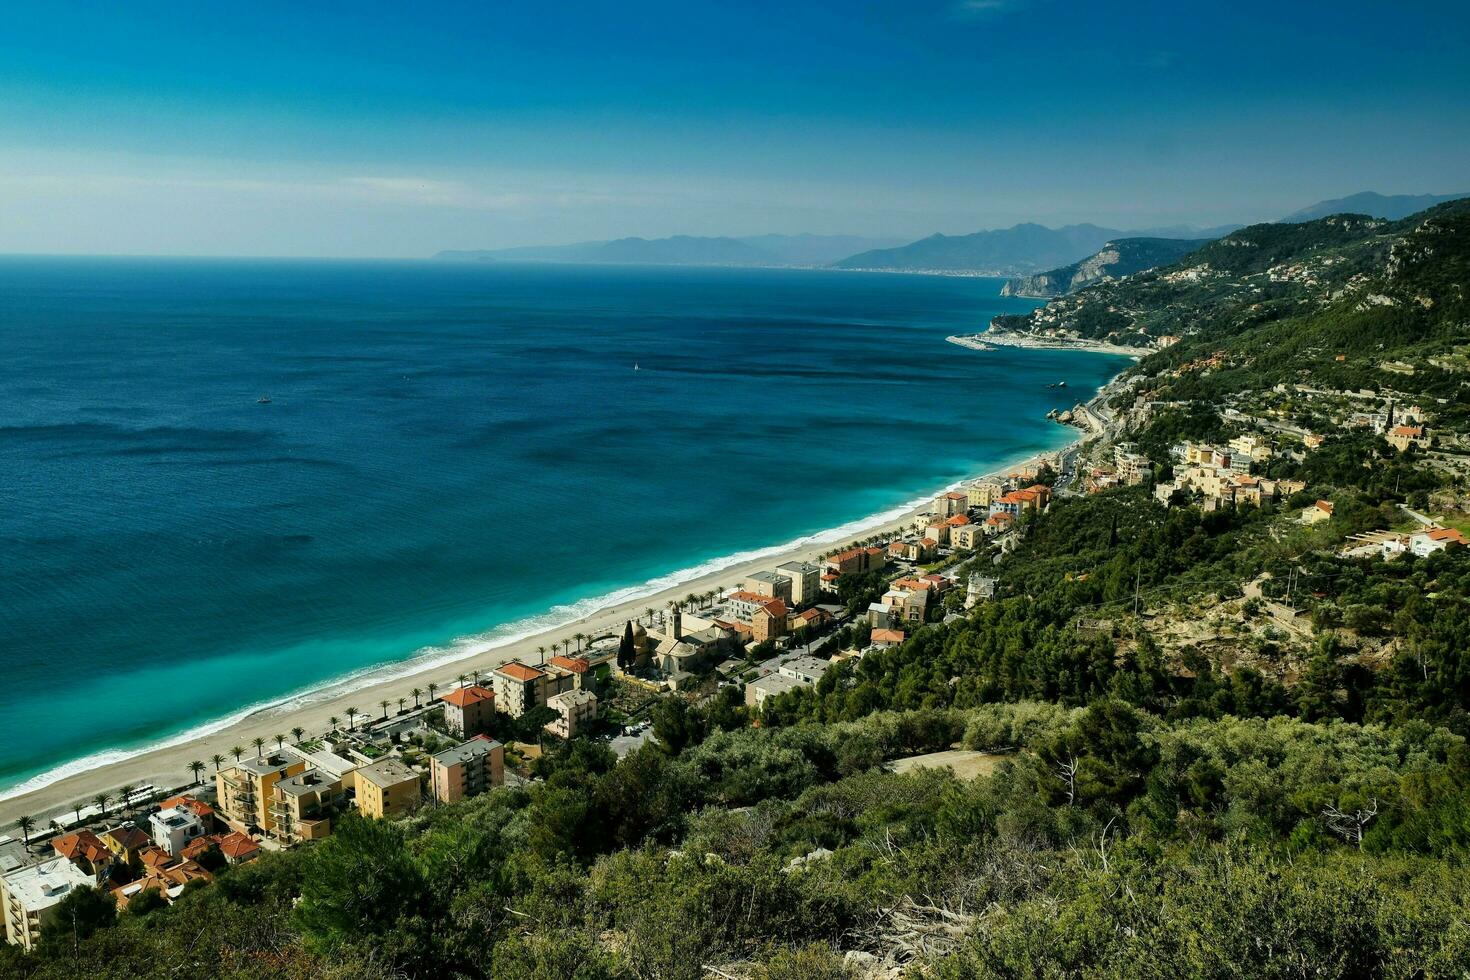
{"points": [[1122, 257], [1021, 250], [759, 250], [816, 249], [1390, 206]]}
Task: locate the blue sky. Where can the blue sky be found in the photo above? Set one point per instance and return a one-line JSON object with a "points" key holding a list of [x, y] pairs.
{"points": [[395, 129]]}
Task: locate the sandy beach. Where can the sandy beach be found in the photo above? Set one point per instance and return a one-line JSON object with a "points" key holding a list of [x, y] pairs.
{"points": [[992, 338], [167, 765]]}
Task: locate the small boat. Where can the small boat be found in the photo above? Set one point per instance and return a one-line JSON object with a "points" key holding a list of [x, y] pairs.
{"points": [[636, 367], [263, 400]]}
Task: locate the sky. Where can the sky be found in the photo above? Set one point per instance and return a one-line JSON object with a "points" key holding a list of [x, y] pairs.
{"points": [[397, 130]]}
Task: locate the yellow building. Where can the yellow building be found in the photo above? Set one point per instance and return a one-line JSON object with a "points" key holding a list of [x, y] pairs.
{"points": [[387, 788], [247, 788], [302, 805]]}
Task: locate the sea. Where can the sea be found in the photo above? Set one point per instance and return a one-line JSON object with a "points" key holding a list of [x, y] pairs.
{"points": [[224, 483]]}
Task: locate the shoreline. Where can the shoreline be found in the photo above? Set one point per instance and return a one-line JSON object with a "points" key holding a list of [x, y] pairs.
{"points": [[164, 763], [989, 339]]}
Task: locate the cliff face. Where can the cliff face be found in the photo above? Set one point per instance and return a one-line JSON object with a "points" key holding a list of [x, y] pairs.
{"points": [[1116, 259]]}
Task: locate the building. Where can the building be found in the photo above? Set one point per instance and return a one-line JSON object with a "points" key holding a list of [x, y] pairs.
{"points": [[966, 536], [575, 710], [808, 669], [469, 710], [468, 769], [174, 827], [885, 638], [855, 561], [806, 584], [244, 790], [32, 894], [772, 585], [126, 843], [1318, 512], [568, 673], [302, 805], [386, 789], [84, 849], [1401, 437], [978, 589], [808, 621], [519, 688], [981, 495], [769, 621], [236, 847], [949, 504], [1427, 542], [762, 688]]}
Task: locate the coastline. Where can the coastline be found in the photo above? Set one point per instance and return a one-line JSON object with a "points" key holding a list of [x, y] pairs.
{"points": [[989, 339], [165, 762]]}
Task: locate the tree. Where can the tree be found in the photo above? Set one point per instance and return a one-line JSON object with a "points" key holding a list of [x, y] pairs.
{"points": [[237, 751], [351, 723], [101, 800], [384, 705], [218, 761], [77, 809], [195, 768], [361, 882], [334, 721], [76, 917], [296, 733], [125, 796], [25, 825], [432, 688], [401, 703], [259, 744], [416, 693], [627, 651], [280, 742], [147, 900]]}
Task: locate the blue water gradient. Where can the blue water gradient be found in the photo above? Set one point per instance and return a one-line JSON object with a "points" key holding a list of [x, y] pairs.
{"points": [[448, 449]]}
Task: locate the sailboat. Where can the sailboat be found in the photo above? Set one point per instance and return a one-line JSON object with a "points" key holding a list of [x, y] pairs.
{"points": [[263, 400], [636, 367]]}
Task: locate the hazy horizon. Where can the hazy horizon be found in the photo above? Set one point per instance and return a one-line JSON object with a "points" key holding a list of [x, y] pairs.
{"points": [[397, 134]]}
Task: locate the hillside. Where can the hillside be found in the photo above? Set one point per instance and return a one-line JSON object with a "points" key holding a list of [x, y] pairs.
{"points": [[1019, 250], [1390, 206], [1122, 257], [1187, 729], [1253, 275]]}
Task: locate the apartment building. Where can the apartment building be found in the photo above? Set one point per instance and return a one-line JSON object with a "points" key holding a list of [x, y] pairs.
{"points": [[466, 770]]}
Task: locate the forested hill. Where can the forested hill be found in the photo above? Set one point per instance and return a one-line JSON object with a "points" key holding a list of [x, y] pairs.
{"points": [[1116, 259], [1019, 250], [1256, 275]]}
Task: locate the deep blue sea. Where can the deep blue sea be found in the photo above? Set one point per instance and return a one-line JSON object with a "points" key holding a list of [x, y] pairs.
{"points": [[449, 450]]}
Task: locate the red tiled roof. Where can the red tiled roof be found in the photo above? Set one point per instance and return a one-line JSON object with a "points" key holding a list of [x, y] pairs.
{"points": [[1446, 534], [958, 520], [463, 697], [128, 838], [80, 843], [1412, 431], [886, 636], [775, 607], [576, 665], [929, 542], [519, 671], [188, 802], [236, 846]]}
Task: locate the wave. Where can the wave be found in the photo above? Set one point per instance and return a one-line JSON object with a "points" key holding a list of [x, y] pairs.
{"points": [[478, 644]]}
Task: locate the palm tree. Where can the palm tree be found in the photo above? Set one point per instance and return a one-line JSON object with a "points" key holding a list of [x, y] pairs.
{"points": [[237, 752], [476, 675], [126, 796], [259, 744], [649, 614], [218, 761], [280, 741], [432, 688], [401, 702], [77, 808], [384, 705], [579, 640], [195, 768], [417, 693], [351, 715], [102, 799], [542, 652], [334, 721], [462, 678], [26, 825], [296, 734]]}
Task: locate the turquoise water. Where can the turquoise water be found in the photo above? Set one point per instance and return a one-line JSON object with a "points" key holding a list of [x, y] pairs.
{"points": [[449, 452]]}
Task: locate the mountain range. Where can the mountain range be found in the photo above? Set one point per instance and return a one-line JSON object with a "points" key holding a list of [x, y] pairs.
{"points": [[757, 250], [1390, 206]]}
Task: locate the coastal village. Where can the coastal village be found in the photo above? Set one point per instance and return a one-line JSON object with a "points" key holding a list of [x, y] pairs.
{"points": [[778, 630]]}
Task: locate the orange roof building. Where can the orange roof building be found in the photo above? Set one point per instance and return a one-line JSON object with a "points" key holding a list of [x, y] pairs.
{"points": [[470, 710]]}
